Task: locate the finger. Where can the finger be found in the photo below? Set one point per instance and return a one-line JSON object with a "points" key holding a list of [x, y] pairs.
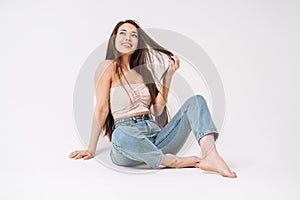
{"points": [[171, 64], [86, 157], [175, 58], [78, 156], [71, 154], [176, 61], [74, 153]]}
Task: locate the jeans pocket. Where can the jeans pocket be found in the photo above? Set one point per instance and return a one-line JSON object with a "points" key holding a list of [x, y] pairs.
{"points": [[153, 126]]}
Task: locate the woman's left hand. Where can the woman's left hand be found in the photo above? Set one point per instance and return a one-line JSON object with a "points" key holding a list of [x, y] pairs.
{"points": [[173, 64]]}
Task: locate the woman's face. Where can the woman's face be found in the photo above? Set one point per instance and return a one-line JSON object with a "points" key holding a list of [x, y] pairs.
{"points": [[126, 39]]}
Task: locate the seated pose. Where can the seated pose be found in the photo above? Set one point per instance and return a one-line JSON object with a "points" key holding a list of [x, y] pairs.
{"points": [[131, 108]]}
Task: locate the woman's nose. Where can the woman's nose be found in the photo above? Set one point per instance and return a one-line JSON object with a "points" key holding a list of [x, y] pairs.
{"points": [[127, 37]]}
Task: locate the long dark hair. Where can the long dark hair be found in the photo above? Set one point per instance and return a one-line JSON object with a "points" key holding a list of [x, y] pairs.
{"points": [[142, 61]]}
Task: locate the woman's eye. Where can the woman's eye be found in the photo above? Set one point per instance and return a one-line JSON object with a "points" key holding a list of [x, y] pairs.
{"points": [[122, 33], [134, 36]]}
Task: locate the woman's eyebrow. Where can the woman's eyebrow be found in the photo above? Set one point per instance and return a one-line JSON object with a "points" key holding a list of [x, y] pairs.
{"points": [[127, 30]]}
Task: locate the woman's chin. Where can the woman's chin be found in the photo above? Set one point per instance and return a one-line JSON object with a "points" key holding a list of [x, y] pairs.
{"points": [[124, 51]]}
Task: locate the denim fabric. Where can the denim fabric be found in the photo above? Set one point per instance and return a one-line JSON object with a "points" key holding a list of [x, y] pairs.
{"points": [[139, 140]]}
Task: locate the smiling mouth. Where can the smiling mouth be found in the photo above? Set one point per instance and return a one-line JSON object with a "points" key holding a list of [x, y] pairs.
{"points": [[127, 45]]}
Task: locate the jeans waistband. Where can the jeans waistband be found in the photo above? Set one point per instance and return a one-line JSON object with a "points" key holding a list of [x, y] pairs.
{"points": [[135, 118]]}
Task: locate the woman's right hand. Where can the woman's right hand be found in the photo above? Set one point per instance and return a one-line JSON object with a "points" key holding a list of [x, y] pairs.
{"points": [[84, 154]]}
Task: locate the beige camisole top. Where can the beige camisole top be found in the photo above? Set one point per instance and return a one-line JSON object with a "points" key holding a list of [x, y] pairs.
{"points": [[136, 98]]}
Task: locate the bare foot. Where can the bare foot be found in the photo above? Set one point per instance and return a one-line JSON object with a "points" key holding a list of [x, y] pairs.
{"points": [[214, 163]]}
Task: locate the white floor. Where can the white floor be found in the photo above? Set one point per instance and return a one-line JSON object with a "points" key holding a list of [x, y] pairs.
{"points": [[255, 47]]}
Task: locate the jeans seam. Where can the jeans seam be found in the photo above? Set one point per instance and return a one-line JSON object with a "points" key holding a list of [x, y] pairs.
{"points": [[171, 128], [121, 150]]}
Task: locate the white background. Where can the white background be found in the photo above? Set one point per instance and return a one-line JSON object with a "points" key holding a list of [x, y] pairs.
{"points": [[254, 45]]}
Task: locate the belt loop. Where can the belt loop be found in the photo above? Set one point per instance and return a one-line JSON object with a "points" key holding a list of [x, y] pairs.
{"points": [[134, 119]]}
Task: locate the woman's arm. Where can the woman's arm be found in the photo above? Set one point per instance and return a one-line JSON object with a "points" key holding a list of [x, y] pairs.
{"points": [[162, 97], [103, 78]]}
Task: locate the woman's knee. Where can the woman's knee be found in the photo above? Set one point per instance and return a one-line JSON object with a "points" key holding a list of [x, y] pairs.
{"points": [[197, 99]]}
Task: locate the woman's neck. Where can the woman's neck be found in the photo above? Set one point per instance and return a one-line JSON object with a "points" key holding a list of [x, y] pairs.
{"points": [[125, 62]]}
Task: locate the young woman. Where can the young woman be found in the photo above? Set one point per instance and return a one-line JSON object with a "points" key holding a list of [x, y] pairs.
{"points": [[131, 108]]}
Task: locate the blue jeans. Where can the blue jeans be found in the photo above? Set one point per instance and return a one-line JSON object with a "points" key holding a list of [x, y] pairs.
{"points": [[139, 140]]}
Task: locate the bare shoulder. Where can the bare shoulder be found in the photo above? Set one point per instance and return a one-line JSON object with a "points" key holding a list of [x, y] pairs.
{"points": [[108, 64], [106, 69]]}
